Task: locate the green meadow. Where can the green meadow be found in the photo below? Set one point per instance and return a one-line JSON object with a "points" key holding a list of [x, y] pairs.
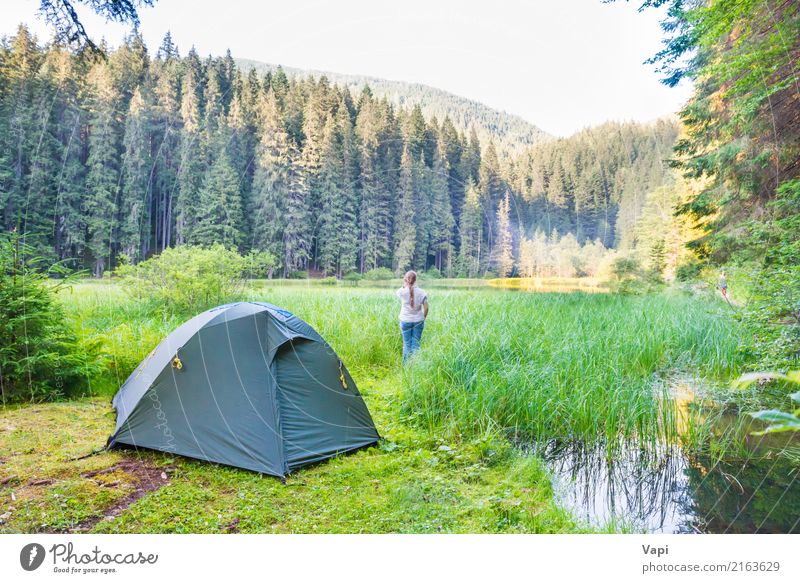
{"points": [[496, 367]]}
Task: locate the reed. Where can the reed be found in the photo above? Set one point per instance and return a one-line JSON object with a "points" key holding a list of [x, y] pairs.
{"points": [[573, 366], [585, 367]]}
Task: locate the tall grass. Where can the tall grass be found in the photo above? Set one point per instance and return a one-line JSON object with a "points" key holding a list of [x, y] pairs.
{"points": [[566, 366]]}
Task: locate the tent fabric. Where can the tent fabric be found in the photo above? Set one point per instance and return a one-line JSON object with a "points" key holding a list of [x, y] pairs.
{"points": [[256, 387]]}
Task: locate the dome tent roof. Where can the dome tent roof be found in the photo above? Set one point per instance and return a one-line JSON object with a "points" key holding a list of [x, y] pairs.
{"points": [[245, 384]]}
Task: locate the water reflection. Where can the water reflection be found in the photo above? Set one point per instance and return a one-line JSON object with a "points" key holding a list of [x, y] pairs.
{"points": [[663, 490]]}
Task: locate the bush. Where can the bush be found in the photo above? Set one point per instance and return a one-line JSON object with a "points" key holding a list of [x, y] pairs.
{"points": [[260, 264], [379, 274], [688, 271], [40, 357], [188, 279], [328, 281], [297, 275], [353, 276], [628, 277], [433, 273]]}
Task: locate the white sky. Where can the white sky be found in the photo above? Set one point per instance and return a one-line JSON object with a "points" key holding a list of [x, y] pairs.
{"points": [[561, 64]]}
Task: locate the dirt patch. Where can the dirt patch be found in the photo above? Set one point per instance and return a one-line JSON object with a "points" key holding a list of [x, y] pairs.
{"points": [[146, 478]]}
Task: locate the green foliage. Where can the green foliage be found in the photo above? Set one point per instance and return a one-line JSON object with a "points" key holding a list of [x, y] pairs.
{"points": [[327, 178], [688, 270], [297, 274], [564, 366], [779, 421], [353, 276], [511, 132], [379, 274], [742, 140], [40, 357], [259, 264], [432, 273], [187, 279]]}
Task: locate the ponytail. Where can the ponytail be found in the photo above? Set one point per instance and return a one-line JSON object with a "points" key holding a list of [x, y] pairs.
{"points": [[410, 279]]}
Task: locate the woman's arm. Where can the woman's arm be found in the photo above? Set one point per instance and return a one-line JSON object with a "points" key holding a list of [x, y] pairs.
{"points": [[425, 308]]}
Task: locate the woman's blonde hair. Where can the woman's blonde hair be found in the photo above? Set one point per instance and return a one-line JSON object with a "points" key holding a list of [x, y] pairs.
{"points": [[410, 279]]}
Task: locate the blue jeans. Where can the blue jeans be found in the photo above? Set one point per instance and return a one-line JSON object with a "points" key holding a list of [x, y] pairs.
{"points": [[412, 334]]}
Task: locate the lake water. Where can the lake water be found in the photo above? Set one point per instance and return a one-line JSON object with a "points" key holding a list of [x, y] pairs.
{"points": [[668, 491]]}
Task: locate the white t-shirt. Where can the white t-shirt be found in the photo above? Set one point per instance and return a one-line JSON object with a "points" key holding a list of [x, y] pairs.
{"points": [[407, 313]]}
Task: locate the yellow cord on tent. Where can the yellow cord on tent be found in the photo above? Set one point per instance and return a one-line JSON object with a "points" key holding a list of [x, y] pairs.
{"points": [[341, 376]]}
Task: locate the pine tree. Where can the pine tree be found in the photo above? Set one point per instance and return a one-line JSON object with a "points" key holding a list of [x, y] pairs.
{"points": [[310, 163], [297, 231], [135, 199], [20, 66], [504, 258], [166, 151], [338, 230], [470, 233], [405, 231], [271, 179], [220, 215], [375, 210], [441, 237], [103, 177], [192, 151], [349, 232]]}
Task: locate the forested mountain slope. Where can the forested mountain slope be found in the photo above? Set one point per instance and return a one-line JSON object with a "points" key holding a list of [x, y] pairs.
{"points": [[509, 131], [131, 154]]}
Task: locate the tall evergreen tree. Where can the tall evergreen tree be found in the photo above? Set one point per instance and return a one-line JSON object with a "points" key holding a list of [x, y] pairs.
{"points": [[136, 195], [192, 150], [405, 232], [220, 215], [441, 212], [271, 179], [297, 232], [470, 233], [102, 180], [504, 258]]}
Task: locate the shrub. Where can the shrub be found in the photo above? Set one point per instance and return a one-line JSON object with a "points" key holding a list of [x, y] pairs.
{"points": [[188, 278], [297, 275], [259, 264], [688, 271], [379, 274], [433, 273], [353, 276], [40, 357], [628, 277], [328, 281]]}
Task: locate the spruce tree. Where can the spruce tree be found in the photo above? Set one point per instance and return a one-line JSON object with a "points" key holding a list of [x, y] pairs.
{"points": [[135, 198], [102, 179], [470, 233], [405, 231], [504, 258], [192, 151], [441, 212], [271, 178], [220, 214], [297, 231]]}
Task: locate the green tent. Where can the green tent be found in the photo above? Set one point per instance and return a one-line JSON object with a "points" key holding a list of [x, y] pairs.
{"points": [[247, 385]]}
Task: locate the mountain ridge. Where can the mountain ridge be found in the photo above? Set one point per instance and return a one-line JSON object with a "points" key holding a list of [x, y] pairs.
{"points": [[509, 131]]}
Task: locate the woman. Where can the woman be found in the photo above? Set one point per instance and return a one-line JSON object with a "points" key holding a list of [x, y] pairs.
{"points": [[723, 284], [413, 311]]}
